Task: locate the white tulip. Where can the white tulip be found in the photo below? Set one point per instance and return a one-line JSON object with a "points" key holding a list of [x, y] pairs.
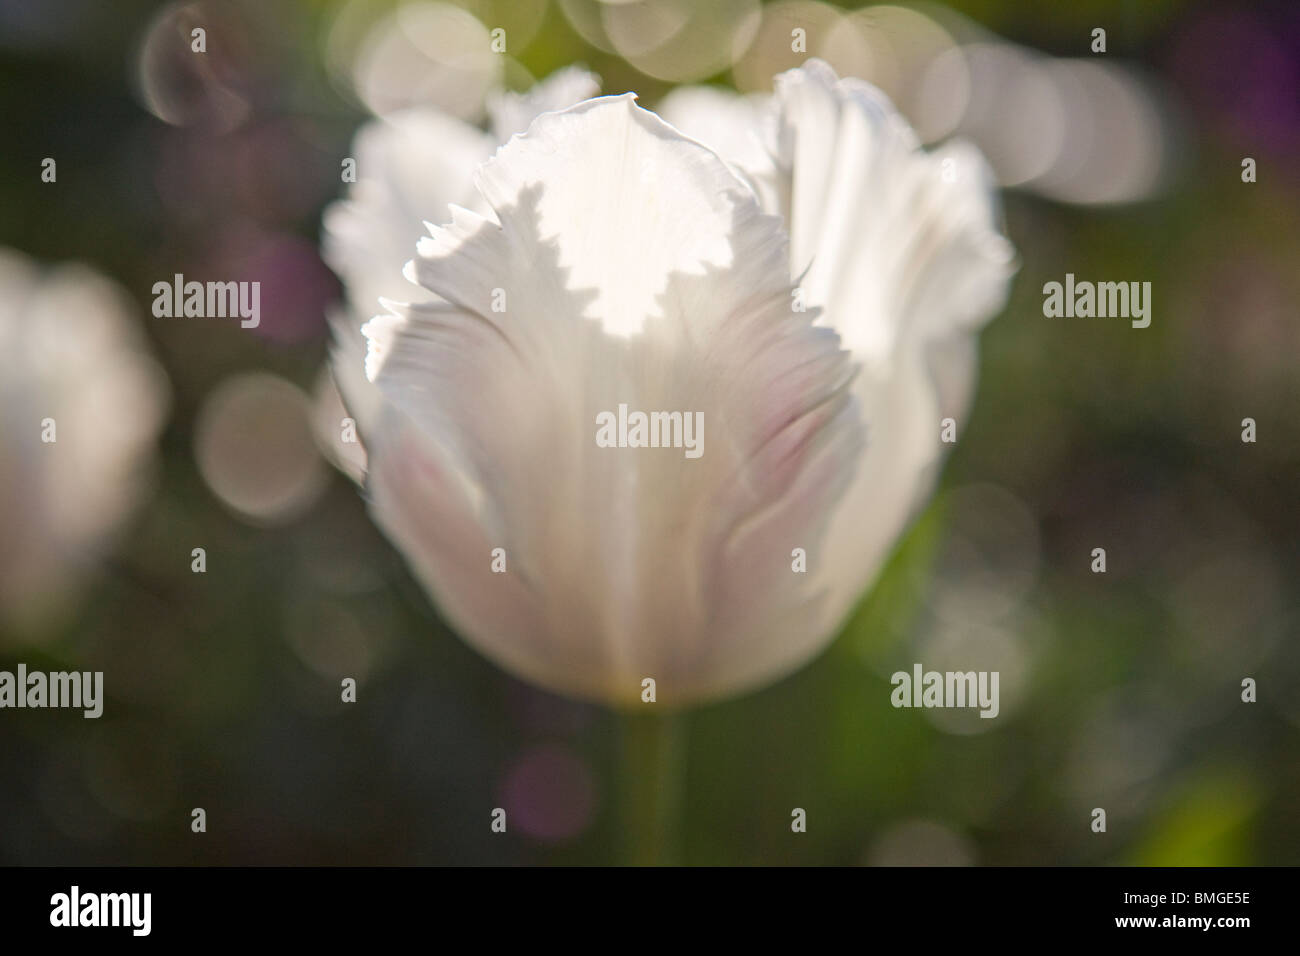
{"points": [[614, 263]]}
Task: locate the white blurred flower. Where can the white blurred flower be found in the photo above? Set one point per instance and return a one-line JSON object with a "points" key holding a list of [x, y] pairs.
{"points": [[73, 367], [639, 267]]}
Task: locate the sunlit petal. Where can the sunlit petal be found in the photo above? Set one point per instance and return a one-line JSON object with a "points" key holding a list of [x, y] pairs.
{"points": [[623, 563], [902, 251]]}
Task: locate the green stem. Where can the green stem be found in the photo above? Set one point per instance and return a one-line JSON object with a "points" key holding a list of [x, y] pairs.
{"points": [[652, 774]]}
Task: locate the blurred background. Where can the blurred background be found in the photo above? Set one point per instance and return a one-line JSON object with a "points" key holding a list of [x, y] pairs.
{"points": [[1119, 690]]}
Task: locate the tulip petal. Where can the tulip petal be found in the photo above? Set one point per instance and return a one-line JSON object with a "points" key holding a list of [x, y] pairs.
{"points": [[737, 128], [901, 250], [621, 264], [511, 112], [411, 166]]}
